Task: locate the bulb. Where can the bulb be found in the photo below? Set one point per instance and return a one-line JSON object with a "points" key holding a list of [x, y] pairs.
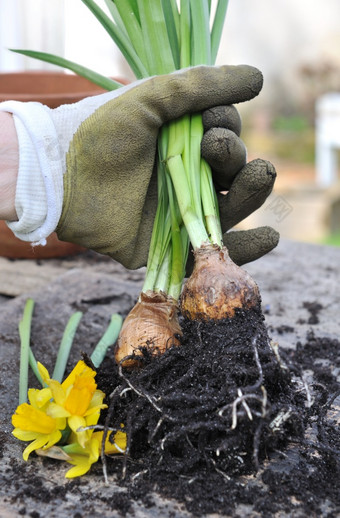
{"points": [[217, 286]]}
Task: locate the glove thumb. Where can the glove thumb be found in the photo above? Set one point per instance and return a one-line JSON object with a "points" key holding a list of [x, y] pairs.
{"points": [[197, 89]]}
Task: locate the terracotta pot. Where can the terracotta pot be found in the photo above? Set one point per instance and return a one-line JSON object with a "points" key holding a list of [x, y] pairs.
{"points": [[14, 248], [52, 89]]}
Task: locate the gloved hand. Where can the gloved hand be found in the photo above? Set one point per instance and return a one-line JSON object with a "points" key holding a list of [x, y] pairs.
{"points": [[248, 185], [95, 160]]}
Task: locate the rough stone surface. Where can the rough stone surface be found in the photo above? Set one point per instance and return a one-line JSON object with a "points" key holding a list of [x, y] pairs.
{"points": [[292, 280]]}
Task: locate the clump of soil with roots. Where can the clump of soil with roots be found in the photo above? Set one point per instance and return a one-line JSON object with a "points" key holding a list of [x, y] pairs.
{"points": [[206, 413]]}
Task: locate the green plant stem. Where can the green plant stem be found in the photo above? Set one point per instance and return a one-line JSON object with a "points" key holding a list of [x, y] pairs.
{"points": [[34, 367], [156, 40], [65, 346], [180, 245], [132, 27], [210, 205], [185, 31], [163, 279], [25, 336], [194, 225], [161, 232], [217, 28], [108, 339], [200, 43]]}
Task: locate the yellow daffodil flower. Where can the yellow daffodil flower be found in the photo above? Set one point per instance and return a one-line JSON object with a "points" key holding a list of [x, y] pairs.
{"points": [[83, 458], [76, 399], [63, 412], [31, 423]]}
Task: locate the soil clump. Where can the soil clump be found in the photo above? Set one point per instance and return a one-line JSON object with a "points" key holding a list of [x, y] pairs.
{"points": [[227, 420]]}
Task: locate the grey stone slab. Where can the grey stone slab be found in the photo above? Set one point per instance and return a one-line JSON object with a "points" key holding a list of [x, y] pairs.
{"points": [[295, 274], [18, 276]]}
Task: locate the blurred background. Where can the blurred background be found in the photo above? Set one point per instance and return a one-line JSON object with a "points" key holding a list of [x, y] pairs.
{"points": [[294, 123]]}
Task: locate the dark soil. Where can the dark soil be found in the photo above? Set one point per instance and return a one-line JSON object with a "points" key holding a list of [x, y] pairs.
{"points": [[226, 421]]}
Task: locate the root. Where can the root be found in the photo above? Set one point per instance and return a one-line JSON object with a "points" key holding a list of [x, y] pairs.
{"points": [[223, 399]]}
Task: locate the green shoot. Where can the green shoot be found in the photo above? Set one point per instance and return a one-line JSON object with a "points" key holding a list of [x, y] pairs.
{"points": [[131, 25], [34, 367], [216, 31], [108, 339], [65, 346], [25, 336]]}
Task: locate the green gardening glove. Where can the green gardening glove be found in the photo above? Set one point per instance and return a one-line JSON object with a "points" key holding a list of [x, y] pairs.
{"points": [[110, 191], [248, 185]]}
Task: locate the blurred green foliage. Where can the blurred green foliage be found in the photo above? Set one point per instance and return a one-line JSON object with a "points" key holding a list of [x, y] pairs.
{"points": [[332, 240]]}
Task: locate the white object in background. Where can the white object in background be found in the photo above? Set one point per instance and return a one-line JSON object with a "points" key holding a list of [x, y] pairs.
{"points": [[33, 25], [88, 43], [327, 138]]}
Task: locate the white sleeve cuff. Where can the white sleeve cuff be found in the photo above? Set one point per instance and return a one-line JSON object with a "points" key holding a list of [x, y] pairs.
{"points": [[39, 193]]}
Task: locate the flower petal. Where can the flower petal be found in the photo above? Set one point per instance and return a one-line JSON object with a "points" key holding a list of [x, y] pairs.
{"points": [[53, 438], [97, 398], [95, 409], [24, 435], [81, 369], [120, 441], [57, 411], [35, 445], [82, 466], [80, 396], [93, 418], [75, 422], [117, 446], [83, 460], [38, 398], [58, 392], [31, 419], [43, 372]]}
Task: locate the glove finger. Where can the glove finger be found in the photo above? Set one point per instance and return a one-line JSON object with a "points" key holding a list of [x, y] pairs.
{"points": [[226, 154], [245, 246], [249, 190], [194, 90], [222, 117]]}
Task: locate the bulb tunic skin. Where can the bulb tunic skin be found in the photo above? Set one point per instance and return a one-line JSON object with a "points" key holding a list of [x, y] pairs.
{"points": [[152, 324], [217, 286]]}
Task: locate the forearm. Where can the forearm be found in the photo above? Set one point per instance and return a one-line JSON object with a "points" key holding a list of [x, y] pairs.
{"points": [[9, 162]]}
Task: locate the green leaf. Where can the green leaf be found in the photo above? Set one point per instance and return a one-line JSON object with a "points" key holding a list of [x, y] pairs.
{"points": [[217, 27], [185, 34], [172, 31], [65, 346], [134, 6], [25, 336], [133, 28], [98, 79], [156, 40], [34, 367], [116, 16], [109, 338], [200, 50], [119, 37]]}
